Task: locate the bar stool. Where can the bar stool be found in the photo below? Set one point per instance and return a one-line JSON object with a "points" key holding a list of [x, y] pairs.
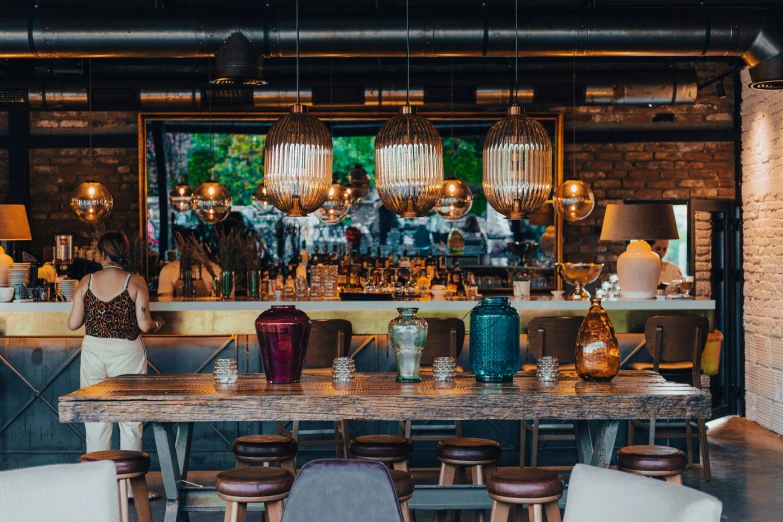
{"points": [[242, 486], [389, 449], [512, 488], [549, 336], [131, 466], [477, 455], [653, 461], [403, 485], [267, 450]]}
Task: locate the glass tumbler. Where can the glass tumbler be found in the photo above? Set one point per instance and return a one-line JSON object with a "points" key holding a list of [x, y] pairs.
{"points": [[225, 371], [547, 369], [444, 369]]}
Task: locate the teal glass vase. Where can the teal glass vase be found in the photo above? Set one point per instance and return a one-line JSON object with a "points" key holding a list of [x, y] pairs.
{"points": [[494, 340], [407, 334]]}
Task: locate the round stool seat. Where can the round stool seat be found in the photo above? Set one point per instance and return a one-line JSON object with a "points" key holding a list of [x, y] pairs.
{"points": [[525, 483], [651, 459], [254, 482], [381, 447], [468, 449], [125, 462], [264, 447], [403, 483]]}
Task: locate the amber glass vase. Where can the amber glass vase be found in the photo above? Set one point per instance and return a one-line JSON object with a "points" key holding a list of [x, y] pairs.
{"points": [[597, 351]]}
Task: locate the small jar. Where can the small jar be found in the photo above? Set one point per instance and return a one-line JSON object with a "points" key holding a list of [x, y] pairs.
{"points": [[444, 369], [225, 371], [547, 369], [343, 369]]}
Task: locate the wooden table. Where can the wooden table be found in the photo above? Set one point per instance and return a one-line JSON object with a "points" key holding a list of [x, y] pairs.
{"points": [[174, 402]]}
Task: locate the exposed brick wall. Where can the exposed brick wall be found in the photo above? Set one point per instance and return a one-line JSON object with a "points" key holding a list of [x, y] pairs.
{"points": [[703, 246], [762, 208], [79, 122], [54, 173]]}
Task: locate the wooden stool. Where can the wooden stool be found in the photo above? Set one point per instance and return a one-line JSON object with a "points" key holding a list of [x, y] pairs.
{"points": [[391, 450], [653, 461], [477, 455], [267, 450], [242, 486], [539, 489], [403, 485], [131, 467]]}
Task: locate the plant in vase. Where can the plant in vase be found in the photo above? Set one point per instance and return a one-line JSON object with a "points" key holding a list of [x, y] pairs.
{"points": [[229, 255], [189, 256], [254, 263]]}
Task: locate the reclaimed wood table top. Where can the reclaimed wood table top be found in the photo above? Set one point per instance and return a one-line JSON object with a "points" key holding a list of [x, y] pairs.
{"points": [[376, 396]]}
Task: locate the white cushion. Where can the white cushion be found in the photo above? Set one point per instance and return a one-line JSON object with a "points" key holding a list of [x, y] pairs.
{"points": [[62, 493], [605, 495]]}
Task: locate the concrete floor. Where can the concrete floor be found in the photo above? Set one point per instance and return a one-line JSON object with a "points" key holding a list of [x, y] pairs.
{"points": [[747, 475]]}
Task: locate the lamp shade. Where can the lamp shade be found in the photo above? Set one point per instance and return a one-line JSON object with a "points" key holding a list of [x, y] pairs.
{"points": [[648, 221], [13, 223]]}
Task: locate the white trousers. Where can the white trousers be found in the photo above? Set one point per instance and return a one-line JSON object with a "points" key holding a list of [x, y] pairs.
{"points": [[101, 359]]}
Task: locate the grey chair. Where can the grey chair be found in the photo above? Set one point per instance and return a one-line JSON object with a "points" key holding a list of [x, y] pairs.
{"points": [[604, 495], [348, 490]]}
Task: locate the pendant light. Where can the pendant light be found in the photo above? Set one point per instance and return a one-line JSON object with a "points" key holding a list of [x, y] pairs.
{"points": [[298, 157], [179, 197], [408, 157], [336, 206], [260, 200], [517, 158]]}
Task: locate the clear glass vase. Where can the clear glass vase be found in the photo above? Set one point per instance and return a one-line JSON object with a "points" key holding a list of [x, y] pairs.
{"points": [[227, 285], [407, 334]]}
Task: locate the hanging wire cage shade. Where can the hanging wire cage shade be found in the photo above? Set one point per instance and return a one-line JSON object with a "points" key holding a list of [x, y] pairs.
{"points": [[179, 197], [260, 200], [408, 164], [574, 200], [337, 205], [298, 163], [517, 165], [211, 202], [91, 202], [455, 200]]}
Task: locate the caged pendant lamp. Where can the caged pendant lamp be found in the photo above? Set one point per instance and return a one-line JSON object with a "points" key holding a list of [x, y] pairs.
{"points": [[298, 157], [517, 159], [408, 159]]}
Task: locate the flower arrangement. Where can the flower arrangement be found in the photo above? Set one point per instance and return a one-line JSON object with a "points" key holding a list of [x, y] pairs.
{"points": [[229, 250]]}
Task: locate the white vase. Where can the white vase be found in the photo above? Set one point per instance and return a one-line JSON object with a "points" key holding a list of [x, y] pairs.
{"points": [[639, 269], [5, 264]]}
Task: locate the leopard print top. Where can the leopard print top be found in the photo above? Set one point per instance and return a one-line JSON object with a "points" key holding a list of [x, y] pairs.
{"points": [[115, 319]]}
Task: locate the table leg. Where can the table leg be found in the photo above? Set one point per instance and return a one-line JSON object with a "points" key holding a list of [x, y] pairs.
{"points": [[173, 457], [584, 441], [604, 443]]}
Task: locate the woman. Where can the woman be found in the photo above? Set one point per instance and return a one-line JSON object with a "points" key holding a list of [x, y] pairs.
{"points": [[113, 305], [669, 271]]}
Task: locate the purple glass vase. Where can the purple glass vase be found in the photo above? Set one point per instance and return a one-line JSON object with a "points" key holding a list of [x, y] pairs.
{"points": [[283, 332]]}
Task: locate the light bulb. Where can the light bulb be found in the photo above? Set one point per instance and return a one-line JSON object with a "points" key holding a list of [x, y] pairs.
{"points": [[574, 200]]}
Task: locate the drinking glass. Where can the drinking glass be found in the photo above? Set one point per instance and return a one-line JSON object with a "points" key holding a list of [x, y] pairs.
{"points": [[686, 285], [225, 371]]}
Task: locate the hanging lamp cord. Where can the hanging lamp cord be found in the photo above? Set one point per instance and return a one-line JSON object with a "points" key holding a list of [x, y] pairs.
{"points": [[408, 51], [516, 52], [89, 120], [573, 116], [297, 52]]}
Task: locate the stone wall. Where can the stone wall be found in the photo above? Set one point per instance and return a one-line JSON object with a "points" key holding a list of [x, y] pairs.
{"points": [[762, 206]]}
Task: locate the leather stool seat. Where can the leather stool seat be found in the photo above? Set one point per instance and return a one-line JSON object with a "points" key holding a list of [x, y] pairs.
{"points": [[525, 483], [254, 482], [125, 462], [655, 459], [403, 483], [381, 447], [467, 449], [265, 447]]}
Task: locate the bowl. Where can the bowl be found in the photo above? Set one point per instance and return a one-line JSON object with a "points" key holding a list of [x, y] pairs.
{"points": [[557, 295], [6, 294], [438, 292]]}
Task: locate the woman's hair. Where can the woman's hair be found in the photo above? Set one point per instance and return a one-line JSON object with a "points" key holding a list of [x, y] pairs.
{"points": [[114, 245]]}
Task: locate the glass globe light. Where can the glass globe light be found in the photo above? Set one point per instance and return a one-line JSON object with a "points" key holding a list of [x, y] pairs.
{"points": [[574, 200], [336, 206], [91, 202], [517, 165], [298, 163], [179, 197], [408, 164], [211, 202], [261, 201], [455, 200]]}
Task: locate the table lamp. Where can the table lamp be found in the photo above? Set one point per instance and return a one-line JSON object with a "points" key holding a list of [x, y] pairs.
{"points": [[13, 227], [639, 268]]}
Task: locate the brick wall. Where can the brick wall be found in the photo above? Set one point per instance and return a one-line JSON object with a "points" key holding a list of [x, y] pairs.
{"points": [[762, 208], [702, 276], [79, 122]]}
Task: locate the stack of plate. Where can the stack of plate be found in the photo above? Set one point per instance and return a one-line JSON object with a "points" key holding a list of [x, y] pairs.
{"points": [[67, 288], [19, 274]]}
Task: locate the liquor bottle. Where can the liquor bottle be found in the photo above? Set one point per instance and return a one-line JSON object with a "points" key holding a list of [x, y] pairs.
{"points": [[303, 255], [423, 283], [429, 266], [315, 259], [379, 261], [279, 281], [353, 277], [456, 274], [390, 260], [405, 261], [333, 260], [301, 268]]}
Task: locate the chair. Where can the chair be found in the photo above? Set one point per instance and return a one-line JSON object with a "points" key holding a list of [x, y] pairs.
{"points": [[477, 456], [652, 461], [549, 336], [329, 338], [242, 486], [65, 493], [445, 338], [604, 495], [512, 488], [131, 468], [348, 490], [266, 450], [676, 343]]}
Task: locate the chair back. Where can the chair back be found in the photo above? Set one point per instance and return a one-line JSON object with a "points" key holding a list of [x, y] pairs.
{"points": [[677, 338], [445, 338], [348, 490], [64, 492], [554, 336], [329, 338], [633, 497]]}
